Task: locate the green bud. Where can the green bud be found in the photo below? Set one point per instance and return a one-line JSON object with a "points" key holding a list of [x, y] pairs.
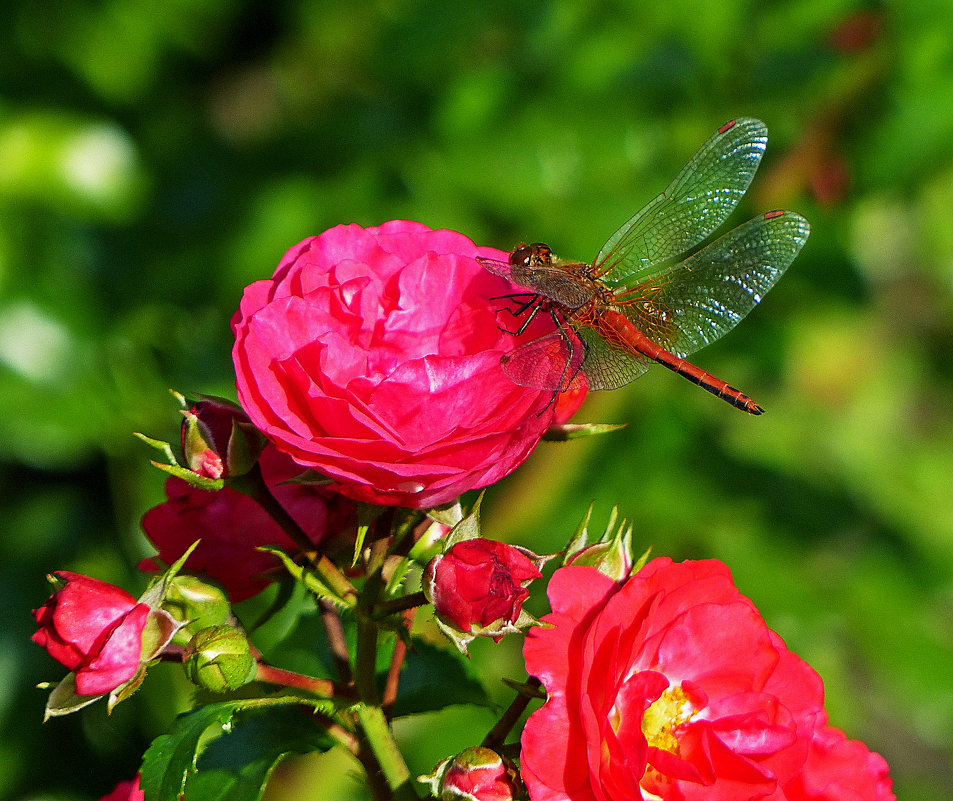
{"points": [[197, 604], [219, 659]]}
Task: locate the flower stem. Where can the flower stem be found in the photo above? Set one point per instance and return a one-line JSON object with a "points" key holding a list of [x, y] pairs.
{"points": [[377, 735], [286, 678], [495, 737], [389, 607], [396, 663], [367, 631]]}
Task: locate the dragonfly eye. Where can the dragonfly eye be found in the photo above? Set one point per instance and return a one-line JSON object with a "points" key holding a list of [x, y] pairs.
{"points": [[522, 255]]}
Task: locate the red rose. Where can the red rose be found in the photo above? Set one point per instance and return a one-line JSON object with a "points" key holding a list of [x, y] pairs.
{"points": [[669, 683], [479, 585], [373, 356], [839, 769], [94, 629], [231, 526], [125, 791]]}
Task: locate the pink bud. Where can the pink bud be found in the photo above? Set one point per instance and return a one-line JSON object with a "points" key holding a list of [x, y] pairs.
{"points": [[94, 629], [475, 774]]}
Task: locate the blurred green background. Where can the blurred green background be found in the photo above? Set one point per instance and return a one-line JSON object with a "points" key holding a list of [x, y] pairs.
{"points": [[155, 157]]}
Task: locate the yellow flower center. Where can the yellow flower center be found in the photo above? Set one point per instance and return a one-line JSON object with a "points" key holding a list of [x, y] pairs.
{"points": [[662, 719]]}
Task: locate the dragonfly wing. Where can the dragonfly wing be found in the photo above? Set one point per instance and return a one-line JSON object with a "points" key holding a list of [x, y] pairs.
{"points": [[497, 267], [550, 362], [693, 303], [606, 367], [553, 282], [693, 206]]}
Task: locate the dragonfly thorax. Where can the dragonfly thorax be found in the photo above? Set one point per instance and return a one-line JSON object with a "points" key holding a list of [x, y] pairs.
{"points": [[568, 284]]}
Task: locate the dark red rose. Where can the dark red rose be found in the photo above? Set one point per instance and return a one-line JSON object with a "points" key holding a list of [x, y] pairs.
{"points": [[231, 526]]}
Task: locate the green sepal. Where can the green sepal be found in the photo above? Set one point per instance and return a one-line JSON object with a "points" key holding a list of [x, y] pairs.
{"points": [[193, 478], [568, 431], [63, 699], [640, 563], [468, 528], [309, 578], [449, 514]]}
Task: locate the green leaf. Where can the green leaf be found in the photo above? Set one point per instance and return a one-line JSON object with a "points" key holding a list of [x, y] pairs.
{"points": [[228, 750], [434, 678]]}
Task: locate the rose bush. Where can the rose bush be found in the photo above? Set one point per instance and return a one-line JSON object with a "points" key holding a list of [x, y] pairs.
{"points": [[373, 356], [93, 628], [231, 526], [669, 682]]}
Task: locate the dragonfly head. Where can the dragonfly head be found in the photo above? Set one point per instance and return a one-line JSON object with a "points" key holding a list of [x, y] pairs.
{"points": [[531, 255]]}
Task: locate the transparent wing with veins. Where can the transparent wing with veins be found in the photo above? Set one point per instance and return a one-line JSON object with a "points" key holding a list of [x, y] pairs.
{"points": [[693, 206], [693, 303], [552, 281]]}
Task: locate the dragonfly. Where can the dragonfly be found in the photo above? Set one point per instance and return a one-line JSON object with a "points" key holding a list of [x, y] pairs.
{"points": [[635, 305]]}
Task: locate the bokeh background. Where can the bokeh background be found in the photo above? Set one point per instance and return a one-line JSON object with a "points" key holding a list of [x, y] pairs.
{"points": [[155, 157]]}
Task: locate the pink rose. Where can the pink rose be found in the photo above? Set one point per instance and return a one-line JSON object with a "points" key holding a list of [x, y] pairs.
{"points": [[231, 526], [669, 686], [373, 356], [93, 628], [839, 769]]}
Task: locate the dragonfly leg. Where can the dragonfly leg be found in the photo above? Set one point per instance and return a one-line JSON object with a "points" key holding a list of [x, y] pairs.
{"points": [[524, 302]]}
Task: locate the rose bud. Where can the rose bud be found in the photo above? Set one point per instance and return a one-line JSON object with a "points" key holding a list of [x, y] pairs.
{"points": [[478, 587], [218, 439], [475, 774], [95, 629], [219, 659]]}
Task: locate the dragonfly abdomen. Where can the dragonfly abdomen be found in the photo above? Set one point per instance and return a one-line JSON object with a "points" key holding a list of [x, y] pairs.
{"points": [[618, 328]]}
